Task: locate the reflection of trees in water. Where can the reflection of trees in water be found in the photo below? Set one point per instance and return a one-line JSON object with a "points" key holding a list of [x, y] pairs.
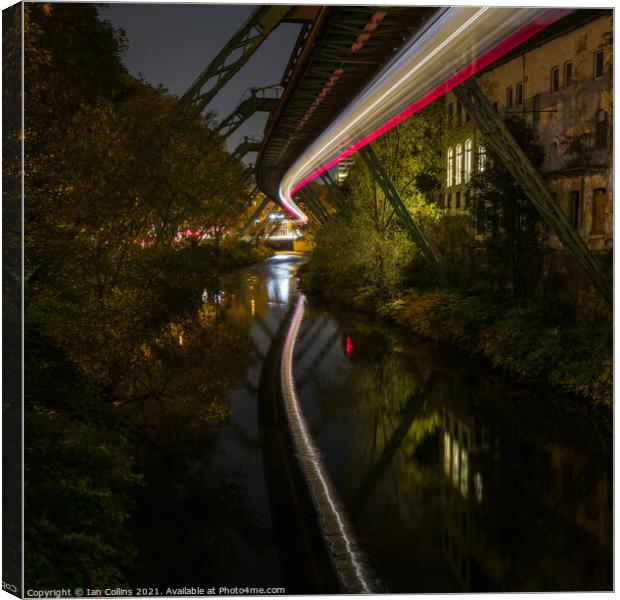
{"points": [[190, 511], [180, 378], [191, 514]]}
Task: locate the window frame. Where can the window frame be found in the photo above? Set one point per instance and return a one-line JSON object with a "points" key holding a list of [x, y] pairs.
{"points": [[598, 53], [468, 159], [555, 79], [509, 97], [519, 93], [567, 64], [450, 167], [459, 164]]}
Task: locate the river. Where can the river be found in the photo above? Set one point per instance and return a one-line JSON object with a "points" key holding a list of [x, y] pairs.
{"points": [[448, 477]]}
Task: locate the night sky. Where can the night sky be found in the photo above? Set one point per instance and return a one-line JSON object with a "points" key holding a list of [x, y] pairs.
{"points": [[172, 43]]}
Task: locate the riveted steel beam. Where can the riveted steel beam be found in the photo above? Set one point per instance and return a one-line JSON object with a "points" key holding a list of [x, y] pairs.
{"points": [[257, 212], [257, 102], [263, 225], [385, 183], [519, 166], [247, 145], [337, 193], [309, 203], [311, 196]]}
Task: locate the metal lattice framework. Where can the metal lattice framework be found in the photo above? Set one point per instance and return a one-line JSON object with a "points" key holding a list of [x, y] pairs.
{"points": [[257, 212], [519, 166], [249, 144], [232, 57], [258, 101], [341, 200], [385, 183]]}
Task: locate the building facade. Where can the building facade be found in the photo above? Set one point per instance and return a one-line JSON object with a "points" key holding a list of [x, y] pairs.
{"points": [[562, 85]]}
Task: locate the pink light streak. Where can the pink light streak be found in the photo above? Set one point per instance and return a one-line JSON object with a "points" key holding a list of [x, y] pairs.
{"points": [[521, 35]]}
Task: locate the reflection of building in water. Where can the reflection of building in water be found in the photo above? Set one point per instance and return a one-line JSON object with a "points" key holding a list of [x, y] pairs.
{"points": [[519, 510]]}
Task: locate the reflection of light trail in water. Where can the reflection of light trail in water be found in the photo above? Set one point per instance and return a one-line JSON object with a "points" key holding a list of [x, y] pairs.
{"points": [[346, 555]]}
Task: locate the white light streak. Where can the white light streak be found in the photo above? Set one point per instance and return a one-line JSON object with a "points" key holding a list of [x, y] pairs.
{"points": [[345, 552]]}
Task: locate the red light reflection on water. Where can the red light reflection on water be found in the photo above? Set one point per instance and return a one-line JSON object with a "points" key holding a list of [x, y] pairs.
{"points": [[348, 346]]}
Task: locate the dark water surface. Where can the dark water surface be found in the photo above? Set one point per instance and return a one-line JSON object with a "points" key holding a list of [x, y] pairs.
{"points": [[453, 479]]}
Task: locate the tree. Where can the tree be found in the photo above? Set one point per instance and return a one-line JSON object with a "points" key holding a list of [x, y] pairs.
{"points": [[506, 219]]}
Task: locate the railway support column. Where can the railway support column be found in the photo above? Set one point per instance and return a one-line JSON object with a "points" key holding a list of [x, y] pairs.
{"points": [[519, 166], [254, 216], [312, 207], [263, 226], [382, 178], [310, 193], [332, 185]]}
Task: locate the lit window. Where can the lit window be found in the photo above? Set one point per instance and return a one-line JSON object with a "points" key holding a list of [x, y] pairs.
{"points": [[459, 164], [555, 79], [482, 159], [568, 73], [599, 64], [520, 93], [468, 159], [464, 473], [450, 169]]}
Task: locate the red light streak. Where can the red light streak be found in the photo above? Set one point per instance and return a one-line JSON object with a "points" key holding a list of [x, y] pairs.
{"points": [[521, 35]]}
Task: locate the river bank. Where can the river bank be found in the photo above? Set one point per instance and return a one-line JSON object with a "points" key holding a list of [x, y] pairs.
{"points": [[537, 341]]}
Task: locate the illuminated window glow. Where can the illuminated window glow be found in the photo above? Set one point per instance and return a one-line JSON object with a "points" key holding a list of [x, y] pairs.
{"points": [[468, 159]]}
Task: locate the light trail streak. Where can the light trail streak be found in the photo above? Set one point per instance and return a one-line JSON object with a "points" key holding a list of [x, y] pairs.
{"points": [[345, 553], [458, 43]]}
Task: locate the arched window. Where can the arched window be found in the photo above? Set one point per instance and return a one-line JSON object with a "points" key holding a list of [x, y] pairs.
{"points": [[459, 164], [450, 168], [468, 159]]}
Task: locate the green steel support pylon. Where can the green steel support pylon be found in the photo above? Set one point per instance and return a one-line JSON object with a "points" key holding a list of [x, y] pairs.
{"points": [[255, 103], [382, 178], [255, 191], [518, 164], [262, 226], [263, 20], [309, 193], [254, 216], [340, 198], [312, 207], [249, 144]]}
